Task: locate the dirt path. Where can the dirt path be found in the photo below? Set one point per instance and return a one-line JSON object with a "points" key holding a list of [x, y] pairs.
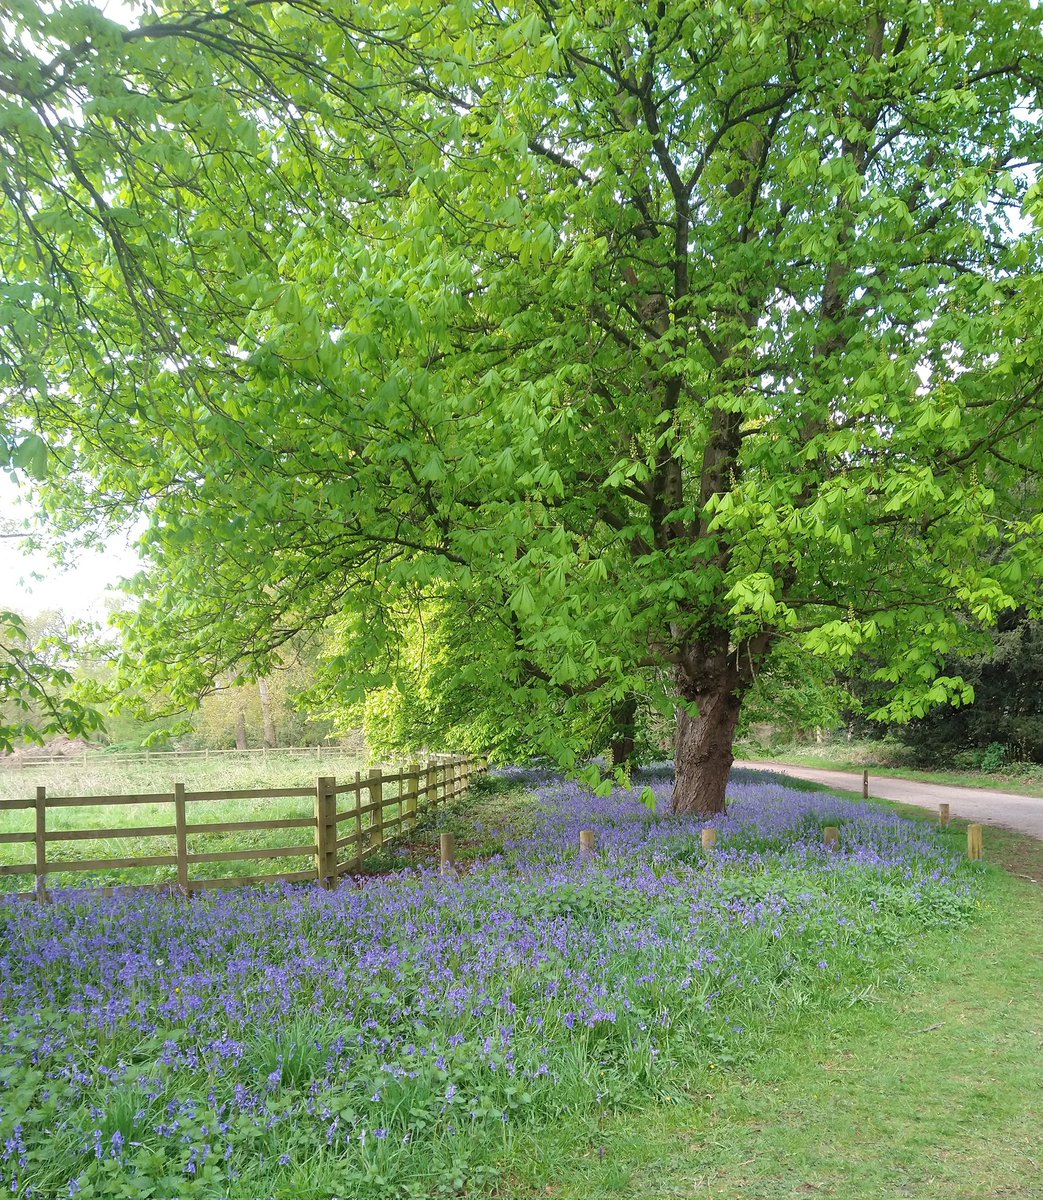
{"points": [[1022, 813]]}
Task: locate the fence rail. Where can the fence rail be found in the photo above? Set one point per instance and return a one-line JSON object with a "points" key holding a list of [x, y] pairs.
{"points": [[380, 804]]}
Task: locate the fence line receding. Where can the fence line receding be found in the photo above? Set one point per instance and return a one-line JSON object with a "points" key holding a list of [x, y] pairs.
{"points": [[350, 820]]}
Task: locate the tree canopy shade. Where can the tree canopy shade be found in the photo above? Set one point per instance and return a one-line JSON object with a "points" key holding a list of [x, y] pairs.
{"points": [[657, 333]]}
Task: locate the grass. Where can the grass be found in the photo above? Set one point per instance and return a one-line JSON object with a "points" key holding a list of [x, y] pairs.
{"points": [[515, 1032], [931, 1092], [100, 778], [856, 757]]}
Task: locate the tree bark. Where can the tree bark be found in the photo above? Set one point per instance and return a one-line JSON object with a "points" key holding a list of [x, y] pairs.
{"points": [[240, 729], [703, 750], [271, 737], [624, 738]]}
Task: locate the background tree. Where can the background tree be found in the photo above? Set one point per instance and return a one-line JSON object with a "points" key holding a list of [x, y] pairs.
{"points": [[671, 330], [1005, 722], [796, 693], [37, 696], [437, 690]]}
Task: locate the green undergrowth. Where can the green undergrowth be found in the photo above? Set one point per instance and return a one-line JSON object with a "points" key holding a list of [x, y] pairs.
{"points": [[876, 1006], [928, 1088]]}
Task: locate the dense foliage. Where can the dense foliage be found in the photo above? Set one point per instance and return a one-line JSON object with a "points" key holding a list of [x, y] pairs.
{"points": [[1005, 722], [389, 1040], [36, 696], [657, 335]]}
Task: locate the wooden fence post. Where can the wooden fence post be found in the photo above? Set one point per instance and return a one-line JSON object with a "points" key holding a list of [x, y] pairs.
{"points": [[181, 837], [975, 843], [446, 853], [326, 831], [831, 837], [865, 784], [587, 842], [709, 838], [412, 789], [376, 796], [41, 844], [430, 784], [358, 821], [943, 816]]}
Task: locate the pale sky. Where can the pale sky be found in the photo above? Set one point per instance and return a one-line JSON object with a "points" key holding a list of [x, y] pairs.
{"points": [[78, 591]]}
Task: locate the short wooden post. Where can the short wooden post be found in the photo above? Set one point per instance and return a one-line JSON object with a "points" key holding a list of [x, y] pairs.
{"points": [[376, 797], [975, 844], [943, 816], [831, 837], [181, 838], [446, 853], [709, 836], [41, 844], [412, 790], [326, 831], [587, 842], [865, 784]]}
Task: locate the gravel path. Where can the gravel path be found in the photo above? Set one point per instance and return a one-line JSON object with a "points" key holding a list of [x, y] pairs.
{"points": [[1023, 813]]}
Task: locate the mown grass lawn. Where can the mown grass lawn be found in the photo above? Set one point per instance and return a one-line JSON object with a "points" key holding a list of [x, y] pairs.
{"points": [[655, 1022]]}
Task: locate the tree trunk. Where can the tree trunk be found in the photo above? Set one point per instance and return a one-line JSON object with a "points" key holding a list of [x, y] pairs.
{"points": [[703, 750], [271, 737], [240, 729], [623, 733]]}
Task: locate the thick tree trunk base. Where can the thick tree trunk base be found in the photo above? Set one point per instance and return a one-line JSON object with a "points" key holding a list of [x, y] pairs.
{"points": [[703, 753]]}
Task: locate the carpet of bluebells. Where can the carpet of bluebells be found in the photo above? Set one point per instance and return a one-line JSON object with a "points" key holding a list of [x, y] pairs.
{"points": [[390, 1038]]}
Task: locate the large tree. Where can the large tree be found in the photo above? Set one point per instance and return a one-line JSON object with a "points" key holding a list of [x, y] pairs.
{"points": [[668, 330]]}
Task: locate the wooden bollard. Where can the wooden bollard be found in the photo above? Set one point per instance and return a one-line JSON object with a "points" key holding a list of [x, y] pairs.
{"points": [[865, 784], [975, 845], [831, 837], [943, 816], [446, 853], [587, 841], [709, 838]]}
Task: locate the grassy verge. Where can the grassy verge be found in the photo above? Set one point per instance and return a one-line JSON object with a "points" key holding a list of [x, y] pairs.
{"points": [[930, 1091], [933, 1095], [858, 762]]}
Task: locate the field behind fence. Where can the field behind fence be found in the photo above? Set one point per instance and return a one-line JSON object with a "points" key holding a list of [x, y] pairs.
{"points": [[320, 831]]}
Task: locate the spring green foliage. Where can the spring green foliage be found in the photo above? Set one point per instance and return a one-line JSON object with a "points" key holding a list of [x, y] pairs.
{"points": [[36, 696], [659, 335], [439, 691]]}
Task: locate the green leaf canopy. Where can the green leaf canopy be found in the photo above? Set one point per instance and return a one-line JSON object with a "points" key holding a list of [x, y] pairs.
{"points": [[662, 333]]}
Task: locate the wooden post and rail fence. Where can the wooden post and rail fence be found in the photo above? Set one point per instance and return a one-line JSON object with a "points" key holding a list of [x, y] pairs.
{"points": [[350, 821], [408, 792]]}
